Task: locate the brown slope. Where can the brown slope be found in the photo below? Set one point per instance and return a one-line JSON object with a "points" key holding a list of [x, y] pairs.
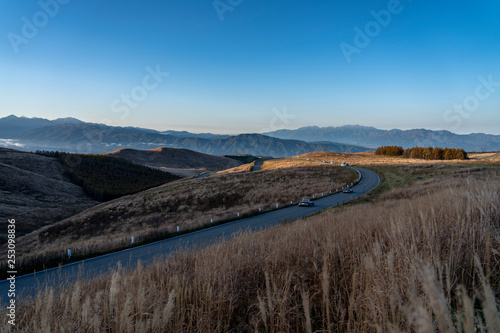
{"points": [[35, 192], [176, 158]]}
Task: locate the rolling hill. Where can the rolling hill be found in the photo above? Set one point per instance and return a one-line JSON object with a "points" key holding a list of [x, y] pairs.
{"points": [[175, 158], [38, 190], [35, 191]]}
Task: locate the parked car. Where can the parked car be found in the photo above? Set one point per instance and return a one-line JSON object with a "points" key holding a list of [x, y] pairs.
{"points": [[348, 190], [306, 203], [345, 164]]}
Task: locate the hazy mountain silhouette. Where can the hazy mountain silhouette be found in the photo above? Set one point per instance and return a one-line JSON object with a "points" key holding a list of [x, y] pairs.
{"points": [[74, 135], [373, 137], [11, 126], [94, 138]]}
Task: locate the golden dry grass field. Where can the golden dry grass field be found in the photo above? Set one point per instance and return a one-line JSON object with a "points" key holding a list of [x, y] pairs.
{"points": [[424, 257], [369, 158], [242, 168], [491, 157]]}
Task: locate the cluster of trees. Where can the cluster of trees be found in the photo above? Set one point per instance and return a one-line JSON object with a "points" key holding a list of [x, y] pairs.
{"points": [[105, 178], [429, 153], [390, 151]]}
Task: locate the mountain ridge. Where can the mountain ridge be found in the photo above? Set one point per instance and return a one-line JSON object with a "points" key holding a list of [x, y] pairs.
{"points": [[12, 125], [97, 138], [372, 137], [75, 135]]}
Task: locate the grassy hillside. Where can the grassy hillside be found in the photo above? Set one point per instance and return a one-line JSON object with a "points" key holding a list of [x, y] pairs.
{"points": [[242, 168], [176, 158], [105, 178], [35, 191], [423, 259], [245, 159], [369, 158], [493, 157], [188, 203]]}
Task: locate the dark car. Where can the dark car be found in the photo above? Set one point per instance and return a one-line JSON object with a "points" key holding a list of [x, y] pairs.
{"points": [[306, 203], [348, 190]]}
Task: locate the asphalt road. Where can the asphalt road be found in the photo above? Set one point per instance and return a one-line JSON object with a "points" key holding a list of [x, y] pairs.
{"points": [[29, 284]]}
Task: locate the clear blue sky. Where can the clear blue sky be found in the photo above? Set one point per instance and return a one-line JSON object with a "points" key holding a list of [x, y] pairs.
{"points": [[264, 57]]}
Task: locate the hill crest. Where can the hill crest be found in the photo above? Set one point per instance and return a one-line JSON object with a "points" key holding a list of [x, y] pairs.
{"points": [[180, 158]]}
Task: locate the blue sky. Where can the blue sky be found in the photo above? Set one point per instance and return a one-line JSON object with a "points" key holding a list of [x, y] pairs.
{"points": [[249, 66]]}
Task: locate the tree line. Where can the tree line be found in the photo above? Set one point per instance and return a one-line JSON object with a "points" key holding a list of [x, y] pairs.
{"points": [[425, 153], [105, 178]]}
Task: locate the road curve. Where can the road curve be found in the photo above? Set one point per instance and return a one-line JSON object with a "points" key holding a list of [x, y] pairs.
{"points": [[29, 284]]}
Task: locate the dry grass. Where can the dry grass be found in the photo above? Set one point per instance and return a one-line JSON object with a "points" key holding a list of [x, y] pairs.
{"points": [[369, 158], [492, 157], [189, 204], [275, 164], [424, 259], [242, 168], [184, 173], [286, 163]]}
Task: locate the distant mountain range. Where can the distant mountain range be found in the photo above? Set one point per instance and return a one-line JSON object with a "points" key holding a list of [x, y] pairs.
{"points": [[73, 135], [372, 137], [11, 126], [185, 134], [98, 138]]}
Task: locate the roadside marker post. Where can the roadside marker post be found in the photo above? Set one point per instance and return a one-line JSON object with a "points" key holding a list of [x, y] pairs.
{"points": [[178, 228], [69, 253], [132, 239]]}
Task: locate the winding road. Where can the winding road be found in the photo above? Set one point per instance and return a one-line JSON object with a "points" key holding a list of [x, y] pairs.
{"points": [[29, 284]]}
